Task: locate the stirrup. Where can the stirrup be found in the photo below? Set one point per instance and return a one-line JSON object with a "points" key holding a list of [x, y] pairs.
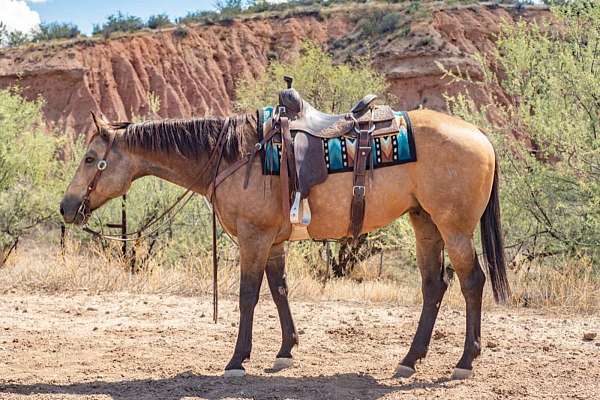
{"points": [[295, 209], [300, 211]]}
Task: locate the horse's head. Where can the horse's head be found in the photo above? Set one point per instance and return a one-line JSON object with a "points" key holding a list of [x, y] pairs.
{"points": [[105, 172]]}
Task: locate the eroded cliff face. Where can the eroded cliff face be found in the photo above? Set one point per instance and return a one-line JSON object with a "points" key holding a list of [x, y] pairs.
{"points": [[195, 75]]}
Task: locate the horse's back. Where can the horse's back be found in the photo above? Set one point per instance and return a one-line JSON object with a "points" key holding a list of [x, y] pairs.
{"points": [[452, 174]]}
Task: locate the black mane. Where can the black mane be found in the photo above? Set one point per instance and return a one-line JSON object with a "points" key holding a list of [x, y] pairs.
{"points": [[190, 138]]}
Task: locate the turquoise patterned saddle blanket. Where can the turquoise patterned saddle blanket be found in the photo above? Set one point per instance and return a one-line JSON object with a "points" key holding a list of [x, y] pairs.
{"points": [[339, 152]]}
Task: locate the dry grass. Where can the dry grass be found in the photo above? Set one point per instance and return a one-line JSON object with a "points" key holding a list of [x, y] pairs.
{"points": [[41, 268], [571, 285]]}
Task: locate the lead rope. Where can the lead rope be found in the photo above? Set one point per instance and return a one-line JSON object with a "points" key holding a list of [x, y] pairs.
{"points": [[213, 199], [215, 260]]}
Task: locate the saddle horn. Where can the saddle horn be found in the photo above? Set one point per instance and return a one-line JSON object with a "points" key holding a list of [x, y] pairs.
{"points": [[288, 80]]}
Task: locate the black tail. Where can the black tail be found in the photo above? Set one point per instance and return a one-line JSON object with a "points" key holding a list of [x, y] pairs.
{"points": [[492, 243]]}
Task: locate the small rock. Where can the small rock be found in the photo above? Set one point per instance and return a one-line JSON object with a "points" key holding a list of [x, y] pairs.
{"points": [[95, 328], [106, 312], [437, 335], [24, 311], [92, 309], [589, 336], [492, 344], [300, 331], [202, 315]]}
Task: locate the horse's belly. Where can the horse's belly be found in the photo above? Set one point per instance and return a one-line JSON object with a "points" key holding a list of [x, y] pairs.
{"points": [[388, 196]]}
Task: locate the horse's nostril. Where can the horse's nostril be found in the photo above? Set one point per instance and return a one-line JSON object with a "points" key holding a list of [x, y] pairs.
{"points": [[62, 210]]}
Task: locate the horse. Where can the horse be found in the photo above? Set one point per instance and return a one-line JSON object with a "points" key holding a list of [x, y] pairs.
{"points": [[451, 188]]}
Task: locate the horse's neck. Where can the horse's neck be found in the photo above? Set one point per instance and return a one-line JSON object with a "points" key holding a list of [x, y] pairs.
{"points": [[185, 172], [175, 169]]}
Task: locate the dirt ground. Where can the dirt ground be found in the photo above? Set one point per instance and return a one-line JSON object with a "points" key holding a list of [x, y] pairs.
{"points": [[125, 346]]}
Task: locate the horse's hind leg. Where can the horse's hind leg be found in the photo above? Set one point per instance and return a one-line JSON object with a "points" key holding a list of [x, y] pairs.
{"points": [[279, 291], [472, 279], [429, 259]]}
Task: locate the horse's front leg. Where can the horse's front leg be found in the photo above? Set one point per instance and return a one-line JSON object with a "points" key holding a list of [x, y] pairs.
{"points": [[279, 291], [254, 250]]}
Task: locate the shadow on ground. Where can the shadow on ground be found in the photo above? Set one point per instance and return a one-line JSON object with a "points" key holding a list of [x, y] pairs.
{"points": [[215, 387]]}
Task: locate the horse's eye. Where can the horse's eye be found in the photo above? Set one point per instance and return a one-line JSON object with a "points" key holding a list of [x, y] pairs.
{"points": [[89, 160]]}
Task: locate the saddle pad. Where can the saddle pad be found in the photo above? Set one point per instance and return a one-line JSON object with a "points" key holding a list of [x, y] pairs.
{"points": [[387, 150]]}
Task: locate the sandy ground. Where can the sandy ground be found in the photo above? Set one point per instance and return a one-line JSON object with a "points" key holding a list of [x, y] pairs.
{"points": [[124, 346]]}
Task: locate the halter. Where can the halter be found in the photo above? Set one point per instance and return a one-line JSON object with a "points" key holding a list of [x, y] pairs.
{"points": [[100, 167]]}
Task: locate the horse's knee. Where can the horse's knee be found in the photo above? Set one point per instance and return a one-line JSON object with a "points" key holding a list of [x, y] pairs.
{"points": [[433, 288], [249, 297]]}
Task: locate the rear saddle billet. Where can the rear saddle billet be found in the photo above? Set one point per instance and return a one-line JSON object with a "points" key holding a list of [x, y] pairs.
{"points": [[302, 129]]}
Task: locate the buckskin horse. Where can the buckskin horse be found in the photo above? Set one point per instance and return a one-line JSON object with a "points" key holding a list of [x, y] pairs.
{"points": [[452, 185]]}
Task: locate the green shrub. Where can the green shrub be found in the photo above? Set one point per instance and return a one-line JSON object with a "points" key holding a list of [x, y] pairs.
{"points": [[229, 7], [55, 30], [119, 22], [330, 87], [180, 32], [158, 21], [199, 17], [29, 171], [12, 38], [258, 6], [379, 22], [414, 7], [547, 132]]}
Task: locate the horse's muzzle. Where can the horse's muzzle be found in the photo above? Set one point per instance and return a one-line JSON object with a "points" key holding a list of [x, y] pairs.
{"points": [[74, 211]]}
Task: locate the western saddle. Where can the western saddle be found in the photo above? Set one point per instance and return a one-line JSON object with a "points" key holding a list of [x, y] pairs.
{"points": [[302, 129]]}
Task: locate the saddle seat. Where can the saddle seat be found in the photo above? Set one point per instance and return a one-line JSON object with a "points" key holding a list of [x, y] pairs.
{"points": [[304, 117]]}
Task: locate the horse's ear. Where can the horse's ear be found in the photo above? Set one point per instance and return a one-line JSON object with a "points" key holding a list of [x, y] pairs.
{"points": [[102, 126]]}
